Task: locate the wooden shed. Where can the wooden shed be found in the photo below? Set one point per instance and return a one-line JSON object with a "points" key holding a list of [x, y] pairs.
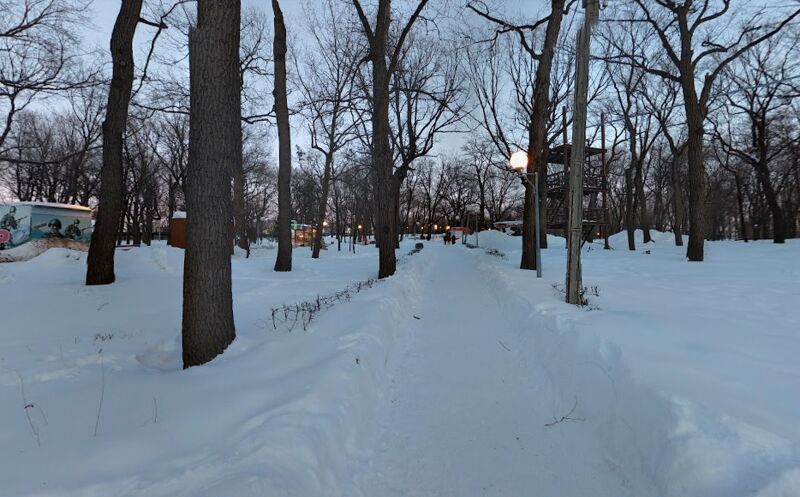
{"points": [[177, 230]]}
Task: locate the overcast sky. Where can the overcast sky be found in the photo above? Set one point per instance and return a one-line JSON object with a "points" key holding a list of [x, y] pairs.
{"points": [[104, 13]]}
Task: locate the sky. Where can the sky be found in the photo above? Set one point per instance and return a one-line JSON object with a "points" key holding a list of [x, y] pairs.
{"points": [[104, 12]]}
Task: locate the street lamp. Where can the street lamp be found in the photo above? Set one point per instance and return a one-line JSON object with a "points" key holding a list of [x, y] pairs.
{"points": [[519, 163]]}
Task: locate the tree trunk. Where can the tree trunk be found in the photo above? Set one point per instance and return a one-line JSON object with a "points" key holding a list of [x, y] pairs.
{"points": [[778, 224], [323, 205], [382, 163], [215, 143], [644, 218], [100, 261], [283, 262], [239, 214], [537, 140], [740, 203], [630, 209], [694, 157], [677, 202]]}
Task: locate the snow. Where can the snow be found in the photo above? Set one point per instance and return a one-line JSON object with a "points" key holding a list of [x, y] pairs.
{"points": [[461, 375], [33, 248], [54, 205], [718, 340]]}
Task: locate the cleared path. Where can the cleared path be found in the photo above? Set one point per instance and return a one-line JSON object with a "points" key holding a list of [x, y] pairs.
{"points": [[466, 412]]}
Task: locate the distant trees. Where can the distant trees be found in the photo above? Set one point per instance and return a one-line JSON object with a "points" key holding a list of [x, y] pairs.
{"points": [[696, 45], [328, 72], [700, 101], [537, 148], [40, 54]]}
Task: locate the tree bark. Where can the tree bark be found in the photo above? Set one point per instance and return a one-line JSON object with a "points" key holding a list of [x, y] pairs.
{"points": [[537, 141], [323, 205], [630, 209], [677, 201], [697, 182], [382, 164], [239, 214], [283, 262], [740, 204], [100, 261], [644, 218], [215, 143]]}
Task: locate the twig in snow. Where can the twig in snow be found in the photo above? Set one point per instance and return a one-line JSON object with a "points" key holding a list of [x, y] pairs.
{"points": [[27, 405], [503, 345], [155, 411], [102, 391], [566, 417]]}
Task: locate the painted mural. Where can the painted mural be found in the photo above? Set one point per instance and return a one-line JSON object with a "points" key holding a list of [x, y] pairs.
{"points": [[15, 222], [22, 223]]}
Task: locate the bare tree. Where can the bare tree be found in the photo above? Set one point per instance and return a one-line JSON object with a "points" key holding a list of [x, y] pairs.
{"points": [[283, 261], [426, 101], [761, 88], [697, 42], [100, 262], [537, 128], [215, 142], [327, 83], [384, 63], [39, 40]]}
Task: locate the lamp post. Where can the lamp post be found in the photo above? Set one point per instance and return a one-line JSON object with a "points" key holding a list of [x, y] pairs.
{"points": [[519, 164]]}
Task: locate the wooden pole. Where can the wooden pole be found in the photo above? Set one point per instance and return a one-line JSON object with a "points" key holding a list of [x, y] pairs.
{"points": [[577, 157]]}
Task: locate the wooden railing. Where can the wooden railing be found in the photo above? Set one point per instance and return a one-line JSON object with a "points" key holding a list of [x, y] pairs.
{"points": [[560, 216], [590, 181]]}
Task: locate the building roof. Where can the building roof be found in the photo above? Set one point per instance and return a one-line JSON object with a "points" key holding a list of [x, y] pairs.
{"points": [[54, 205]]}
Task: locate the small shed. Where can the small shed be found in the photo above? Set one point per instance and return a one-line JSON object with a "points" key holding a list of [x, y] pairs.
{"points": [[22, 222], [177, 230]]}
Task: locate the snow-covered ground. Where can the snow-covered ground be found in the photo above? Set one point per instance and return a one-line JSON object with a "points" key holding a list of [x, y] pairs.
{"points": [[461, 376], [719, 340]]}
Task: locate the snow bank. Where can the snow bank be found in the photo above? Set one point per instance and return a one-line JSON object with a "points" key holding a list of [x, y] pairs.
{"points": [[718, 340], [631, 423], [31, 249], [277, 414]]}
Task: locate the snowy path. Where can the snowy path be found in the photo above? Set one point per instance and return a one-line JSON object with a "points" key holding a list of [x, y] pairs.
{"points": [[467, 409]]}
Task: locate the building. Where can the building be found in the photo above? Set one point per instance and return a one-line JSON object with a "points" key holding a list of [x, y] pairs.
{"points": [[22, 222], [513, 227]]}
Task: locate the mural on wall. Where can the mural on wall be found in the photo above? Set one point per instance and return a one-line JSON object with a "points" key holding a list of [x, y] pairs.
{"points": [[22, 223], [15, 222], [60, 225]]}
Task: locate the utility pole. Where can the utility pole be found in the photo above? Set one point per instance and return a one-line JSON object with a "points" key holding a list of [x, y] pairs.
{"points": [[578, 153]]}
